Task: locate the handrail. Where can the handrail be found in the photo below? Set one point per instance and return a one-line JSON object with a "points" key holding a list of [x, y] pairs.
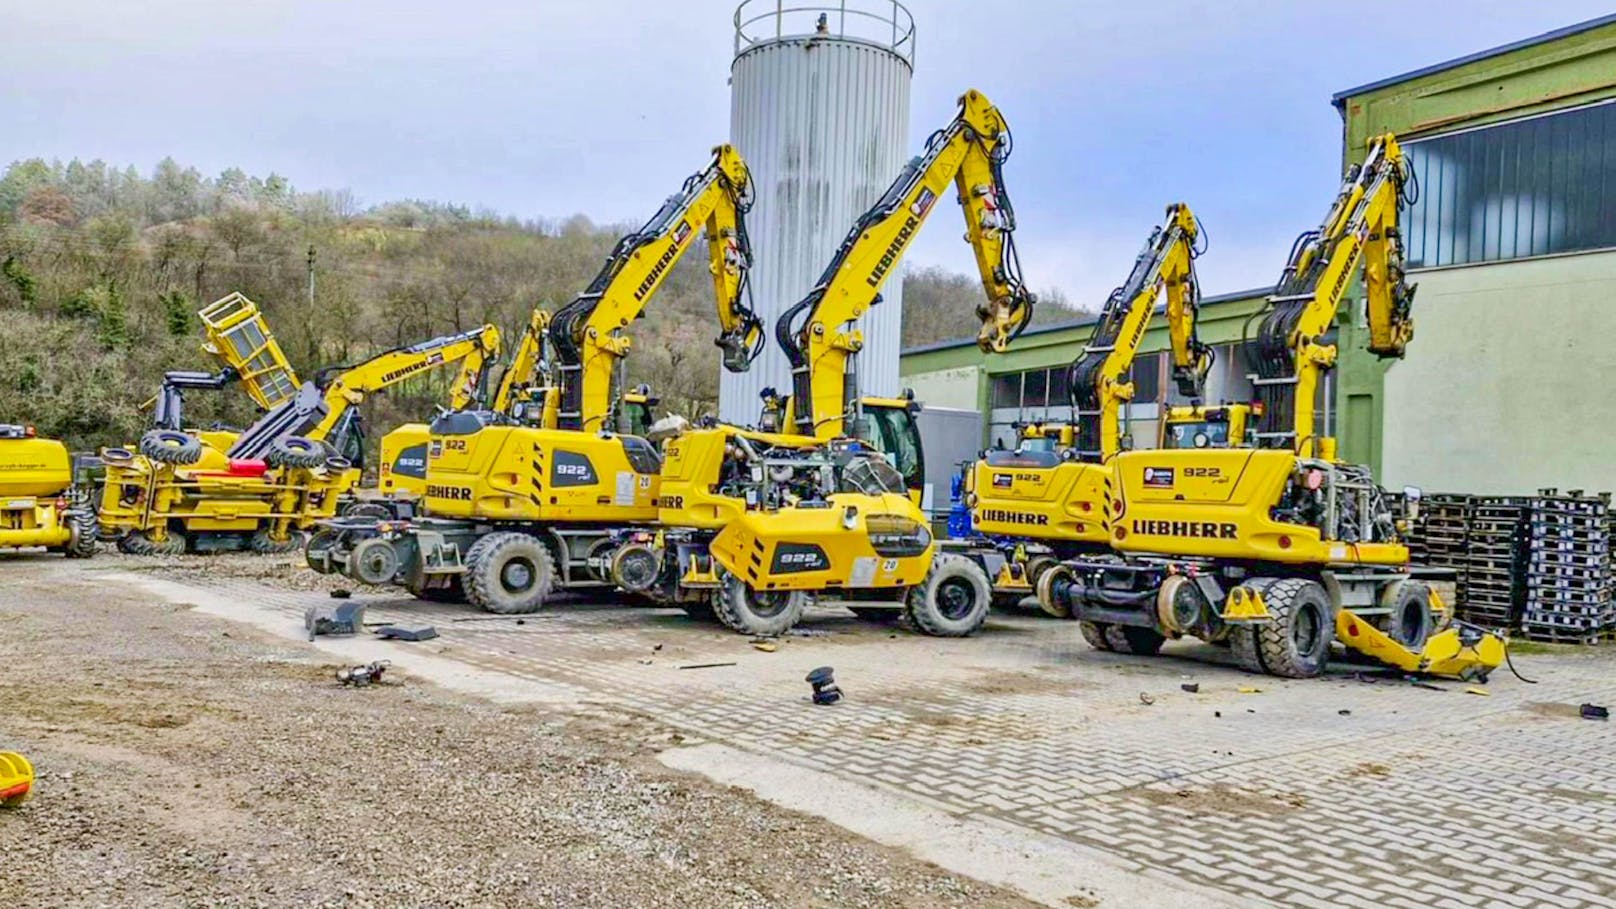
{"points": [[884, 23]]}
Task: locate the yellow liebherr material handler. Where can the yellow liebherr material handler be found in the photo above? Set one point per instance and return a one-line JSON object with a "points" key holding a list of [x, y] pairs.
{"points": [[521, 502], [754, 524], [1054, 496], [260, 487], [1281, 549]]}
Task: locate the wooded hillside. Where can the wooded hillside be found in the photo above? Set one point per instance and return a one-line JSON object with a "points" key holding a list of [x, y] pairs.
{"points": [[102, 271]]}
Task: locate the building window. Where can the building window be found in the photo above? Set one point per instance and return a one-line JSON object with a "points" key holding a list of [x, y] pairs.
{"points": [[1007, 390], [1529, 187], [1034, 388], [1146, 375], [1060, 395]]}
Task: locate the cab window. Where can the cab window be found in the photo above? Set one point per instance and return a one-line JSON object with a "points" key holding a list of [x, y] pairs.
{"points": [[893, 431]]}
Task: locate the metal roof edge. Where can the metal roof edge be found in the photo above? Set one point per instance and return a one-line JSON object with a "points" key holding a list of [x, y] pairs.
{"points": [[1079, 323], [1339, 99]]}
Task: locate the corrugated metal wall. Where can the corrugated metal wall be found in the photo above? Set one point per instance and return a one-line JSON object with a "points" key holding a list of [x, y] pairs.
{"points": [[823, 125]]}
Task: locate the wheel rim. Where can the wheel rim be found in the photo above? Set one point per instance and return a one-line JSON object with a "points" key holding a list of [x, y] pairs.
{"points": [[956, 598], [1412, 623], [1305, 631], [517, 575], [769, 605]]}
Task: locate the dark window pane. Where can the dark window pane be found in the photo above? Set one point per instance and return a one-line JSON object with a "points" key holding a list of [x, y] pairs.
{"points": [[1147, 378], [1007, 390], [1059, 394], [1527, 188], [1034, 388]]}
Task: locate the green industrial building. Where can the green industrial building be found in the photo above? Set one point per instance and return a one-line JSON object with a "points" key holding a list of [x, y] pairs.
{"points": [[1507, 386]]}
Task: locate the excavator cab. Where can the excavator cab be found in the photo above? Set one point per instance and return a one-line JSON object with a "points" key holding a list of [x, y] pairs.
{"points": [[889, 426], [1198, 426]]}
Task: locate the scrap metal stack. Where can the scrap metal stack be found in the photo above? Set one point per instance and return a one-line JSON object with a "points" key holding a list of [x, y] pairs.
{"points": [[1565, 576], [1491, 592]]}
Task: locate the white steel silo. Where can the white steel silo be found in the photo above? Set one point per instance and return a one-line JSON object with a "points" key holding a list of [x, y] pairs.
{"points": [[819, 108]]}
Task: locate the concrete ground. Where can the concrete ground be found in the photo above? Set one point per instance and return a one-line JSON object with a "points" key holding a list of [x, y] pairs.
{"points": [[1026, 761]]}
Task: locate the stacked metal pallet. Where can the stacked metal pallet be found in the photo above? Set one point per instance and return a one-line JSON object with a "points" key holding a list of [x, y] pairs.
{"points": [[1439, 535], [1492, 560], [1565, 567]]}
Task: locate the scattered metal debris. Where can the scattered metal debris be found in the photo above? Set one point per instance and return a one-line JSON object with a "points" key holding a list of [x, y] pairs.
{"points": [[343, 618], [1343, 712], [765, 646], [362, 676], [1191, 687], [408, 632], [826, 691], [1250, 689], [706, 665], [1594, 712], [340, 593], [1146, 699]]}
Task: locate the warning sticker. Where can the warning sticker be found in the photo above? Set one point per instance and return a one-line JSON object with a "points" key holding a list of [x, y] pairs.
{"points": [[625, 488]]}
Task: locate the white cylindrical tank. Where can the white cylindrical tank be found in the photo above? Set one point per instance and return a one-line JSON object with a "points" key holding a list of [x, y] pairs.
{"points": [[819, 108]]}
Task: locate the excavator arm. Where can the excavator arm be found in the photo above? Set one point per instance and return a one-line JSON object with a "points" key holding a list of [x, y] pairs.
{"points": [[323, 410], [1292, 353], [588, 331], [1097, 378], [818, 332]]}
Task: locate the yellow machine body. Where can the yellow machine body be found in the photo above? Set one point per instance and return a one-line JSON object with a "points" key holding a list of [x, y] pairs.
{"points": [[1205, 426], [1217, 503], [521, 474], [1039, 497], [36, 495]]}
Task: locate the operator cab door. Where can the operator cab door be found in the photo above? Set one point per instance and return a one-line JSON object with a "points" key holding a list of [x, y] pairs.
{"points": [[892, 430]]}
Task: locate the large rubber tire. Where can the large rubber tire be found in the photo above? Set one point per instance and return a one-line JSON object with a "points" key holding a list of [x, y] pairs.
{"points": [[953, 601], [140, 543], [264, 544], [453, 592], [747, 611], [1410, 622], [509, 573], [169, 447], [86, 530], [1136, 640], [1095, 634], [1295, 642], [296, 451]]}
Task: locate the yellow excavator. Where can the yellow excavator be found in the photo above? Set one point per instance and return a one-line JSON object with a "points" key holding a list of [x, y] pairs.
{"points": [[41, 504], [520, 503], [1281, 549], [754, 524], [259, 488], [1046, 500]]}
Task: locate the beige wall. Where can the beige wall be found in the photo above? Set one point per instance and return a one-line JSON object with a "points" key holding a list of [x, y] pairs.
{"points": [[1510, 382], [945, 387]]}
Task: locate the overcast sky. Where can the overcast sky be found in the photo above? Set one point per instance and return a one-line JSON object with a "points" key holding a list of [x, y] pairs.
{"points": [[544, 108]]}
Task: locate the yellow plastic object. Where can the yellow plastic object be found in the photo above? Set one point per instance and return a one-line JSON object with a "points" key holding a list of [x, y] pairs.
{"points": [[16, 779], [1463, 652]]}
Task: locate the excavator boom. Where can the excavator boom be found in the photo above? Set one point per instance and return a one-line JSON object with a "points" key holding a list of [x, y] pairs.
{"points": [[1098, 377], [817, 332], [587, 331], [1292, 354]]}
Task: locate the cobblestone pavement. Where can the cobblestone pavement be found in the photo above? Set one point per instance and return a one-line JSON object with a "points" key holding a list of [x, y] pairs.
{"points": [[1336, 792]]}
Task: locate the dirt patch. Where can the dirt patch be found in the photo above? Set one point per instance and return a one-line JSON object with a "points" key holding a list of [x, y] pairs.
{"points": [[1550, 708], [1032, 681], [1368, 769], [185, 760], [1222, 798]]}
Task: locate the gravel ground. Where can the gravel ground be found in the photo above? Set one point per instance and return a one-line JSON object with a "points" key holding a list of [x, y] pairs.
{"points": [[187, 761]]}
